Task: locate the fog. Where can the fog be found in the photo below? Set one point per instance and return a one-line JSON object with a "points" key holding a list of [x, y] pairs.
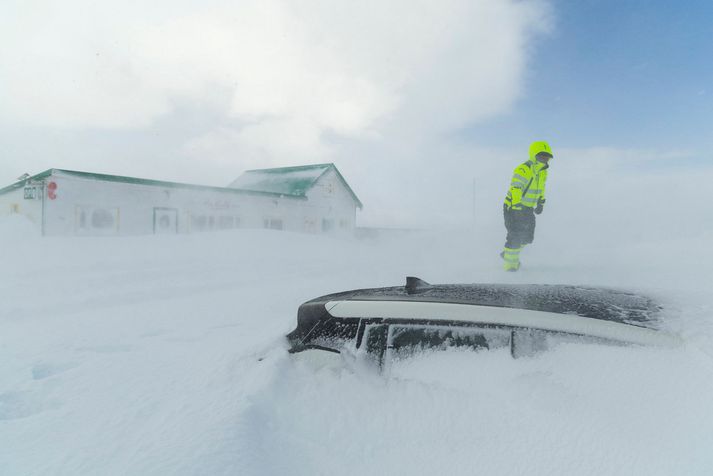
{"points": [[167, 354], [196, 92]]}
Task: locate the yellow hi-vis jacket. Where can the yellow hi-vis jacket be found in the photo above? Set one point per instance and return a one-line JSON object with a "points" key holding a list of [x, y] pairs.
{"points": [[527, 187]]}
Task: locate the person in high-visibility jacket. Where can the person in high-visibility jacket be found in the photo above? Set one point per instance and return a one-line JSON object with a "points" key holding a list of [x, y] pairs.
{"points": [[524, 200]]}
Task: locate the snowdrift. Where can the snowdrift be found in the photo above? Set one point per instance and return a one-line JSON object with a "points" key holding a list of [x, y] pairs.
{"points": [[166, 355]]}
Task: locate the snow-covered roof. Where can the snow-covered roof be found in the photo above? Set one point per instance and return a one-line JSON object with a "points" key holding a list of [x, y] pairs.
{"points": [[123, 179], [292, 181]]}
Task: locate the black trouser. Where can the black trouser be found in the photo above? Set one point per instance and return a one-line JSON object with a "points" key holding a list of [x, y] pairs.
{"points": [[520, 225]]}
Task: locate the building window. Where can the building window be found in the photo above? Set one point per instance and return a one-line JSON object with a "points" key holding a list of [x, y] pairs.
{"points": [[310, 225], [198, 222], [226, 222], [343, 224], [96, 220], [327, 225], [272, 223], [164, 222], [102, 219], [14, 208]]}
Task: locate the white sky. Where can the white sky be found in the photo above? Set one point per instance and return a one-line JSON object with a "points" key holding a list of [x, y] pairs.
{"points": [[283, 82], [198, 92], [289, 70]]}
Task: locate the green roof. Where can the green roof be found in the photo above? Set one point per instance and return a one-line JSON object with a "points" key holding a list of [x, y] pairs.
{"points": [[132, 180], [291, 181], [21, 183]]}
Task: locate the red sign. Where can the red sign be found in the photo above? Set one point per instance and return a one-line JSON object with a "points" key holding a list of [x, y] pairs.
{"points": [[52, 190]]}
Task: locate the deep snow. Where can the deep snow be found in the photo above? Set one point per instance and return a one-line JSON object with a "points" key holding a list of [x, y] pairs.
{"points": [[164, 355]]}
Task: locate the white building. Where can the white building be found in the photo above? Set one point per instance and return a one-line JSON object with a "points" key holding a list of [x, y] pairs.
{"points": [[313, 199]]}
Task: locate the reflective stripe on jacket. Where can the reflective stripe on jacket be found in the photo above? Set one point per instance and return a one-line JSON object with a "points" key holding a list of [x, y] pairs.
{"points": [[524, 173]]}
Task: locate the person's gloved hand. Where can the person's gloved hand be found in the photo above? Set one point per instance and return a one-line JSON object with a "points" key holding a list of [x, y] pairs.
{"points": [[540, 206]]}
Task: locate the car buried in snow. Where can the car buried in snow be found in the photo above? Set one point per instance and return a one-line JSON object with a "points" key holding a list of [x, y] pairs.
{"points": [[386, 324]]}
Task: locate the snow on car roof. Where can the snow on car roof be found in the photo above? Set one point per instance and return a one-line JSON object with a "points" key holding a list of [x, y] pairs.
{"points": [[596, 303]]}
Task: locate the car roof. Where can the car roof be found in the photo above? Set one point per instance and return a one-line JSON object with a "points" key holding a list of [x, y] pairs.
{"points": [[591, 302]]}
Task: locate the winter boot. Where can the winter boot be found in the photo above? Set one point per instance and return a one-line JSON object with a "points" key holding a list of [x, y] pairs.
{"points": [[511, 257], [512, 270]]}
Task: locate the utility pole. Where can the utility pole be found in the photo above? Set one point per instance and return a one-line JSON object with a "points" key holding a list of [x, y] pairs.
{"points": [[475, 213]]}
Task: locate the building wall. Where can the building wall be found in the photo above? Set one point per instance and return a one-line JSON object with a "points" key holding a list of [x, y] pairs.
{"points": [[331, 205], [94, 207], [15, 202], [88, 206]]}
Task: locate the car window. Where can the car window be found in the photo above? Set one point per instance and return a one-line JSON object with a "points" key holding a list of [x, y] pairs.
{"points": [[333, 333], [406, 340], [375, 341], [529, 342]]}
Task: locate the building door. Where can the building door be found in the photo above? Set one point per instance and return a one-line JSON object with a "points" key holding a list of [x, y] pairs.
{"points": [[165, 221]]}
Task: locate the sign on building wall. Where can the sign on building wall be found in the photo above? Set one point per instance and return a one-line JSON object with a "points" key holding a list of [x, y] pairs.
{"points": [[33, 192], [52, 190]]}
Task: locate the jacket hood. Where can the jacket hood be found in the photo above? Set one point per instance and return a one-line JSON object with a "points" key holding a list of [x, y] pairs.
{"points": [[539, 146], [536, 148]]}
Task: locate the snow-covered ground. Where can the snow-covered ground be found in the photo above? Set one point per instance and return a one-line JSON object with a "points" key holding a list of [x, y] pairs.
{"points": [[165, 355]]}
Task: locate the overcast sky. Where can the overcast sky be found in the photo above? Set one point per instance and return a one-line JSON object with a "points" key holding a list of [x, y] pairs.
{"points": [[413, 100]]}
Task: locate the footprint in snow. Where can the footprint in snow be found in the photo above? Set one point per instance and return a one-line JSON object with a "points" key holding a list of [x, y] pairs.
{"points": [[23, 404], [42, 371]]}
